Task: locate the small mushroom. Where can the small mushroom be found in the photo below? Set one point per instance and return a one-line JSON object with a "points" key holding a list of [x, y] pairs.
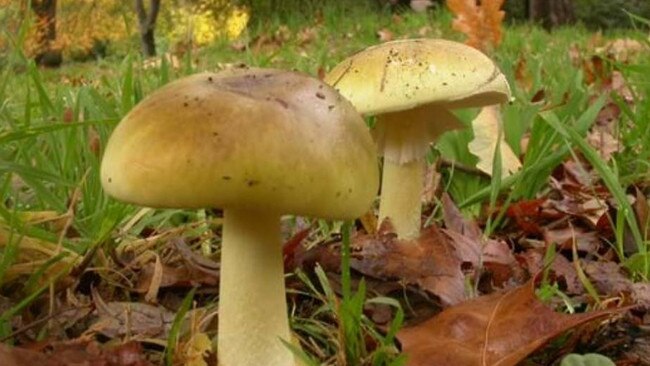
{"points": [[258, 143], [411, 86]]}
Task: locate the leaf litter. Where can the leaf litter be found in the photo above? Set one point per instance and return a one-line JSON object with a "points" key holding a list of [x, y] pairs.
{"points": [[469, 295]]}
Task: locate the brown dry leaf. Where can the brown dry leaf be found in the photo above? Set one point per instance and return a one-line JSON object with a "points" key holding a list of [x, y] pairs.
{"points": [[488, 131], [16, 356], [76, 353], [610, 279], [594, 70], [117, 319], [642, 212], [607, 277], [431, 184], [307, 35], [641, 295], [622, 49], [94, 142], [385, 35], [575, 55], [590, 209], [292, 248], [522, 75], [454, 219], [499, 329], [566, 236], [190, 270], [604, 143], [561, 267], [68, 115], [539, 97], [618, 84], [151, 295], [197, 262], [420, 6], [608, 116], [472, 247], [369, 222], [480, 22], [429, 262]]}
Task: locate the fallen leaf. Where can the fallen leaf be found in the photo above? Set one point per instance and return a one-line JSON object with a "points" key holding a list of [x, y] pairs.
{"points": [[292, 247], [594, 70], [642, 212], [191, 269], [641, 295], [528, 215], [488, 131], [539, 97], [68, 115], [607, 277], [591, 209], [498, 329], [431, 184], [566, 236], [429, 262], [609, 114], [16, 356], [154, 284], [563, 270], [480, 22], [385, 35], [117, 319], [522, 75], [421, 6], [575, 55], [78, 352], [473, 247], [604, 143], [622, 49], [307, 35], [94, 142], [369, 222], [455, 221]]}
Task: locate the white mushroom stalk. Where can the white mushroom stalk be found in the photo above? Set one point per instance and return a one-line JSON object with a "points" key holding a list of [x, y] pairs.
{"points": [[411, 86], [252, 318], [403, 138]]}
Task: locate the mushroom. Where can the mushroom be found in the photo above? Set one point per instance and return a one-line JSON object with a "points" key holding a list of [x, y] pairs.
{"points": [[411, 86], [257, 143]]}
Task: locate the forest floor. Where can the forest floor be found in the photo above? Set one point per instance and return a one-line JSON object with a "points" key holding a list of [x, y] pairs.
{"points": [[511, 270]]}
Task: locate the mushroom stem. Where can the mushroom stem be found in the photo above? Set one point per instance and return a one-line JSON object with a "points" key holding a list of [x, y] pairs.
{"points": [[403, 138], [252, 304], [401, 194]]}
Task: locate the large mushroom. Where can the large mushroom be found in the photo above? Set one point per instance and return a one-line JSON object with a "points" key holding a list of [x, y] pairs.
{"points": [[411, 86], [257, 143]]}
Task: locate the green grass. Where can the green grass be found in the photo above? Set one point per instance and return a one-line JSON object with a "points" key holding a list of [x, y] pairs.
{"points": [[52, 121]]}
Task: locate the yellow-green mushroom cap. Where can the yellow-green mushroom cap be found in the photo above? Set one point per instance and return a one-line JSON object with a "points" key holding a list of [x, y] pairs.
{"points": [[405, 74], [246, 138]]}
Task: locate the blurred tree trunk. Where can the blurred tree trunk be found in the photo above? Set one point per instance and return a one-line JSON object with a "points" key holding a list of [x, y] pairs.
{"points": [[551, 13], [45, 11], [147, 22]]}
